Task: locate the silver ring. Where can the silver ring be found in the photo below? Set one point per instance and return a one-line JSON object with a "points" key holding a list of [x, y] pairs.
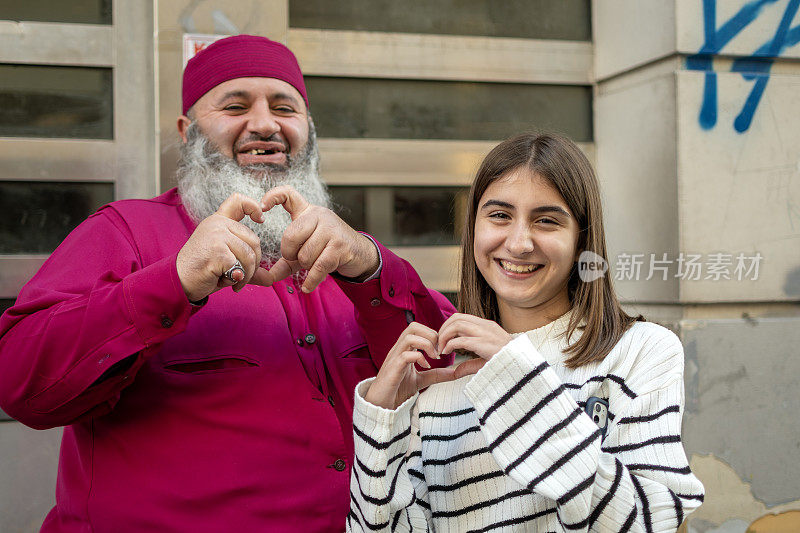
{"points": [[229, 273]]}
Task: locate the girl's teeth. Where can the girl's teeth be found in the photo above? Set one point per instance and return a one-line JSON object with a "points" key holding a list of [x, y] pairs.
{"points": [[517, 268]]}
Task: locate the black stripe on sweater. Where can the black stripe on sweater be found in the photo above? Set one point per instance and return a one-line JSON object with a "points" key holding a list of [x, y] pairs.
{"points": [[521, 383], [450, 437], [480, 505], [514, 521], [621, 382], [604, 501], [530, 414], [396, 518], [664, 439], [616, 379], [400, 513], [378, 473], [629, 521], [564, 459], [434, 414], [416, 473], [371, 526], [371, 499], [457, 457], [649, 418], [698, 497], [546, 435], [464, 482], [577, 489], [381, 445], [660, 468], [678, 508], [648, 526]]}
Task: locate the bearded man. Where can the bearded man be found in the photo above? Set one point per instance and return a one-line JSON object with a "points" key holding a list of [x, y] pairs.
{"points": [[194, 346]]}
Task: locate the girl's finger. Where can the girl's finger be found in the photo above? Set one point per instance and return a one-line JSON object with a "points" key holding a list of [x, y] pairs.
{"points": [[468, 367], [460, 343], [416, 357], [422, 330], [459, 329], [417, 342], [433, 376]]}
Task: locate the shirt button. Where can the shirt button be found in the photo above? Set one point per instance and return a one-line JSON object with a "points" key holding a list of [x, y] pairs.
{"points": [[391, 291], [290, 289], [310, 338], [299, 341], [166, 322], [339, 465], [375, 302]]}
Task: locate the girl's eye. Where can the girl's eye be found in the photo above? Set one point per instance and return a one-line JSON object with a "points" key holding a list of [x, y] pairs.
{"points": [[499, 216], [548, 221]]}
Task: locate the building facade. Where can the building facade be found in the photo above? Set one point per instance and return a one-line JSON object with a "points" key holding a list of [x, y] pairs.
{"points": [[688, 108]]}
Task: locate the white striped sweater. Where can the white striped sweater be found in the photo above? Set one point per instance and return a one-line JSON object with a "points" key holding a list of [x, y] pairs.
{"points": [[511, 448]]}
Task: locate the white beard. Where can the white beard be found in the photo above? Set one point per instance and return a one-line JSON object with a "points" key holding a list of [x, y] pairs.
{"points": [[206, 178]]}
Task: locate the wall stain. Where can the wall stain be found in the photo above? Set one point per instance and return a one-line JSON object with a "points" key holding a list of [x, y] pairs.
{"points": [[730, 379], [788, 522], [730, 504], [691, 377], [791, 287]]}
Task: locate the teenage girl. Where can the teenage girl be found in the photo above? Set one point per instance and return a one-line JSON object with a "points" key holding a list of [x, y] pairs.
{"points": [[505, 440]]}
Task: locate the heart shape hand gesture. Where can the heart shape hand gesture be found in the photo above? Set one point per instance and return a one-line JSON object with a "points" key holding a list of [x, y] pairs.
{"points": [[399, 379]]}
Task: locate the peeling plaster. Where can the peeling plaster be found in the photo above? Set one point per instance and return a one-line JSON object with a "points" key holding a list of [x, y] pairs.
{"points": [[730, 503], [788, 522]]}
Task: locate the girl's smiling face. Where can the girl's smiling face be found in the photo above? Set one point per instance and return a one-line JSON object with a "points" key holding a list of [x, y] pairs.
{"points": [[525, 246]]}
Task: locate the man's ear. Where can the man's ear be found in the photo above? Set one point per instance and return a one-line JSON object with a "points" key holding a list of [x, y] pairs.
{"points": [[183, 124]]}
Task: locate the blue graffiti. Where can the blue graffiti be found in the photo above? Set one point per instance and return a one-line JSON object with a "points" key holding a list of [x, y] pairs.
{"points": [[754, 67]]}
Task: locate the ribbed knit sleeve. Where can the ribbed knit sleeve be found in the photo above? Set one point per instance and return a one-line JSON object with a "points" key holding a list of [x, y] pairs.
{"points": [[387, 487], [635, 479]]}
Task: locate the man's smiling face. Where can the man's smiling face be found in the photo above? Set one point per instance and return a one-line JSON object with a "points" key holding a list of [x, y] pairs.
{"points": [[257, 122]]}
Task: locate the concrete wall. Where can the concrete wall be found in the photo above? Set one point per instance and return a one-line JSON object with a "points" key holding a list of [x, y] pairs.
{"points": [[696, 112], [27, 476]]}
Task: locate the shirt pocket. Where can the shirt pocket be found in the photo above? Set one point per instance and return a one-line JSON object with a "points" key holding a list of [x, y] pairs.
{"points": [[209, 364]]}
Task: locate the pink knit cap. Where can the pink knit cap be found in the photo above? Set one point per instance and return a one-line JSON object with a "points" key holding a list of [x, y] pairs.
{"points": [[239, 56]]}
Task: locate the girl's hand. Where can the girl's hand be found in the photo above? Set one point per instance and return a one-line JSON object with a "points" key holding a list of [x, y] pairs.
{"points": [[398, 379], [482, 337]]}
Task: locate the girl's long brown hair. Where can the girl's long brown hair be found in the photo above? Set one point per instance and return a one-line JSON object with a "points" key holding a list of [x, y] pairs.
{"points": [[564, 165]]}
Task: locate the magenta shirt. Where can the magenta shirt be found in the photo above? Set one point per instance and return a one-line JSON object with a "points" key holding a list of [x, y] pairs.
{"points": [[236, 416]]}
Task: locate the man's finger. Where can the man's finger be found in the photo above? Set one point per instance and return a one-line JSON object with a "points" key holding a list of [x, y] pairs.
{"points": [[237, 206], [468, 367], [281, 269], [326, 263], [261, 277], [290, 199]]}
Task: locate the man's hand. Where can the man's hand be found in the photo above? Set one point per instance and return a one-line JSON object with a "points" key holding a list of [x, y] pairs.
{"points": [[216, 244], [319, 241]]}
